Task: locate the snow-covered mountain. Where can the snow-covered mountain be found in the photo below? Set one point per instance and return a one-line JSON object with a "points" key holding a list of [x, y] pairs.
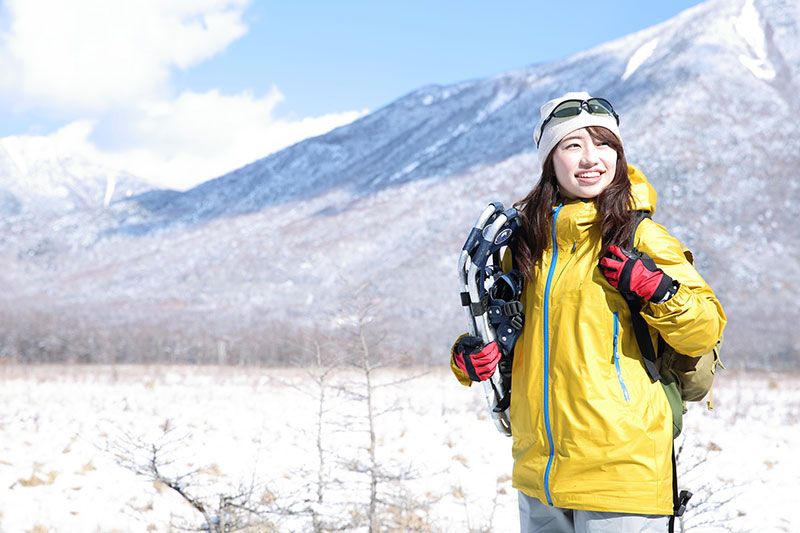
{"points": [[40, 176], [705, 100]]}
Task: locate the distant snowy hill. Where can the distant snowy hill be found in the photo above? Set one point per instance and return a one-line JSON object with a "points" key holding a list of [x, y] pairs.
{"points": [[38, 175], [705, 99]]}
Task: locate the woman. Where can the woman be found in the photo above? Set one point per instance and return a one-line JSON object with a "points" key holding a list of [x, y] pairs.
{"points": [[592, 435]]}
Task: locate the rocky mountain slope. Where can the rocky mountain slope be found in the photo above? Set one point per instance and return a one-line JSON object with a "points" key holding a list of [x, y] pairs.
{"points": [[705, 100]]}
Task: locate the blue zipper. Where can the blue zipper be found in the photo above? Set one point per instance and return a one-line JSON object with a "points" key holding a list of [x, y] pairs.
{"points": [[547, 359], [616, 358]]}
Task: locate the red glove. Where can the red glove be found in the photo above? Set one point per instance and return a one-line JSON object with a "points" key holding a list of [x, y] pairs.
{"points": [[634, 272], [475, 359]]}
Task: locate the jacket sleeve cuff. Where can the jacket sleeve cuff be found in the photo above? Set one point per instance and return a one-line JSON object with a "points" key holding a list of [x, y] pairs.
{"points": [[674, 305], [461, 376]]}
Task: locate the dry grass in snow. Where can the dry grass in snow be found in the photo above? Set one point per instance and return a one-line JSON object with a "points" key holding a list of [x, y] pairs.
{"points": [[63, 429]]}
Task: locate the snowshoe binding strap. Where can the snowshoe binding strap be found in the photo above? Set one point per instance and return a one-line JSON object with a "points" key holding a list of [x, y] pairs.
{"points": [[491, 299]]}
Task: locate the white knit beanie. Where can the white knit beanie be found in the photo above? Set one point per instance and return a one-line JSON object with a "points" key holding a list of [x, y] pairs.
{"points": [[557, 128]]}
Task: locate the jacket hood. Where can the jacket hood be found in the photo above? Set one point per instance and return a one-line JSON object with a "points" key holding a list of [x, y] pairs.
{"points": [[579, 216], [643, 195]]}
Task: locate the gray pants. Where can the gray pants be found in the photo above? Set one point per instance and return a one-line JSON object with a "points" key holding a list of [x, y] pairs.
{"points": [[535, 517]]}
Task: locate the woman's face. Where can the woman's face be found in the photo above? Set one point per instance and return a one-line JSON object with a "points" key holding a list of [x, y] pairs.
{"points": [[583, 169]]}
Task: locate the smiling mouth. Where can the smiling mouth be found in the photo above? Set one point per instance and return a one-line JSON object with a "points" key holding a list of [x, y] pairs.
{"points": [[589, 178]]}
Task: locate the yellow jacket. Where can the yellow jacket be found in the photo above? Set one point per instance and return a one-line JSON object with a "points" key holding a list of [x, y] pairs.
{"points": [[590, 430]]}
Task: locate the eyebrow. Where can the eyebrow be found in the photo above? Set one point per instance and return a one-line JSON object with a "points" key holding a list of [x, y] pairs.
{"points": [[571, 137]]}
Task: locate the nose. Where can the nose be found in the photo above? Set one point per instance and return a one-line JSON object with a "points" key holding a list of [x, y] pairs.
{"points": [[591, 155]]}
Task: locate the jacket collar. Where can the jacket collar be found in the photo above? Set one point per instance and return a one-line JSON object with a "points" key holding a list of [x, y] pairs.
{"points": [[576, 218]]}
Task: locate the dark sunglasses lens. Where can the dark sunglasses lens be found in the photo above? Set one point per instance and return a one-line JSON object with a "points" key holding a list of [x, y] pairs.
{"points": [[567, 109], [598, 106]]}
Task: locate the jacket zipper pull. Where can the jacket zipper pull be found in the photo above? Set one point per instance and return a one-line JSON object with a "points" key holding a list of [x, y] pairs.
{"points": [[574, 246]]}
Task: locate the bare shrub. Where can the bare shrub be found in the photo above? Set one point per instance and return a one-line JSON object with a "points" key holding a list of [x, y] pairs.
{"points": [[251, 507]]}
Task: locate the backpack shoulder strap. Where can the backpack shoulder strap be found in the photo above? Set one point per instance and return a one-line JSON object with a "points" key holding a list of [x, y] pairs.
{"points": [[640, 216], [640, 328]]}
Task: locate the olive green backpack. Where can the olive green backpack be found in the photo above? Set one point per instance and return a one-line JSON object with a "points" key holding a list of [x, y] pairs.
{"points": [[684, 378], [687, 379]]}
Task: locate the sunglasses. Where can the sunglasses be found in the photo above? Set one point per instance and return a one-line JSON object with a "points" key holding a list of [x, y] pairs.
{"points": [[573, 108]]}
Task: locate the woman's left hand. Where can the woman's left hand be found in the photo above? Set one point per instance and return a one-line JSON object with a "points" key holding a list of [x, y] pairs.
{"points": [[634, 272]]}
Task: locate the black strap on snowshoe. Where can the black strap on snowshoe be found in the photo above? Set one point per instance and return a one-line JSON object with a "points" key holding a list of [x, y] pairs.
{"points": [[505, 309], [493, 299], [478, 308], [506, 316], [512, 308]]}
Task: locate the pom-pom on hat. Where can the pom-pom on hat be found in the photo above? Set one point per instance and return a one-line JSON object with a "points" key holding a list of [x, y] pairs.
{"points": [[557, 128]]}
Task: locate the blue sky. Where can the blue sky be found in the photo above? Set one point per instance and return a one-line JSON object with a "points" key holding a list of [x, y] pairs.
{"points": [[329, 56], [179, 92]]}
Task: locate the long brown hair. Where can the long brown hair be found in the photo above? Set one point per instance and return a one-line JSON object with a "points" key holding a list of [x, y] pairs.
{"points": [[536, 209]]}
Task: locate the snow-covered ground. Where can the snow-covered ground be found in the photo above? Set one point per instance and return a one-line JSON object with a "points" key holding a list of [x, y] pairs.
{"points": [[62, 429]]}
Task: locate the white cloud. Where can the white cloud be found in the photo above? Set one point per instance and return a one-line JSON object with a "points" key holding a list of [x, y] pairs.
{"points": [[91, 55], [199, 136], [104, 68]]}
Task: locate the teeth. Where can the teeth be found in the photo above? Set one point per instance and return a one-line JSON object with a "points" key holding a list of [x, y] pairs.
{"points": [[588, 175]]}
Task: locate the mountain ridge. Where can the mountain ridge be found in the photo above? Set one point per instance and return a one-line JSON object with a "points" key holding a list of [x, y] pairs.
{"points": [[387, 200]]}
